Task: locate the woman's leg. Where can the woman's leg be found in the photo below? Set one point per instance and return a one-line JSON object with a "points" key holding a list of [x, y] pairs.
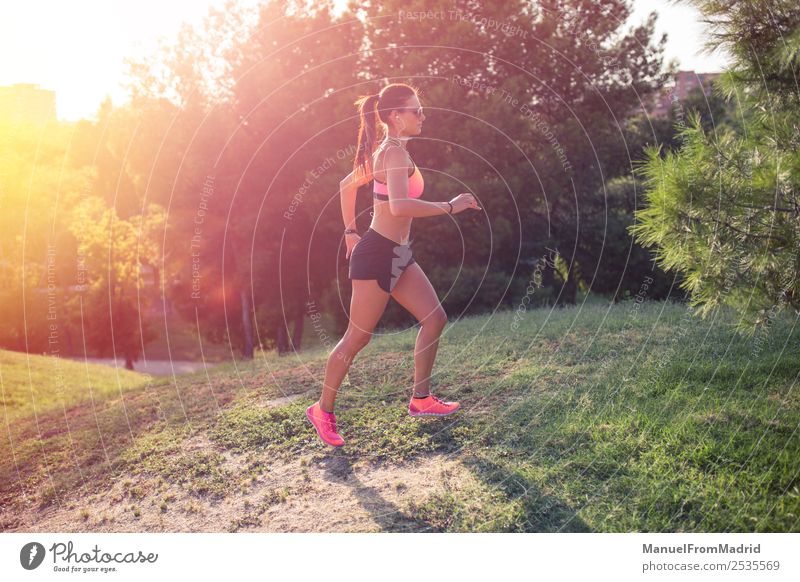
{"points": [[367, 304], [416, 294]]}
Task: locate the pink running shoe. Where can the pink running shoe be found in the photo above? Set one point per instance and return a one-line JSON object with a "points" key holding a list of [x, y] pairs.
{"points": [[431, 406], [325, 423]]}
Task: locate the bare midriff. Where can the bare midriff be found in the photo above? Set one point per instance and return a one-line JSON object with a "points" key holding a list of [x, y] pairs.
{"points": [[396, 228]]}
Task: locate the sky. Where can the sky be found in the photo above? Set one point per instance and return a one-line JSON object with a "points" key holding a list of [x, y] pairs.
{"points": [[76, 48]]}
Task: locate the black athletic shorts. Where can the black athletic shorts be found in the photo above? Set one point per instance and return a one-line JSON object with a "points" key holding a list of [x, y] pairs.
{"points": [[380, 258]]}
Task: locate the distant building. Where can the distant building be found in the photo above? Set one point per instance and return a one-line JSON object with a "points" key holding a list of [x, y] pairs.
{"points": [[25, 102], [684, 83]]}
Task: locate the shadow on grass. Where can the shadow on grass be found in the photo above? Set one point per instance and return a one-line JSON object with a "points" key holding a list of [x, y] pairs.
{"points": [[498, 499], [541, 512], [389, 516]]}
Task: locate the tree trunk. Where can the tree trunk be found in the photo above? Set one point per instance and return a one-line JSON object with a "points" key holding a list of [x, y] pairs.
{"points": [[569, 292], [247, 352], [297, 336], [283, 339], [285, 342]]}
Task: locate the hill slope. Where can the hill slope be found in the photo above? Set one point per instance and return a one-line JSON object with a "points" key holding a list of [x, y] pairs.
{"points": [[596, 418]]}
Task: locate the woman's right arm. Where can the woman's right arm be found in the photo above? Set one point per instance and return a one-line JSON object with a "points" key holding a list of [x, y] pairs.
{"points": [[396, 167], [348, 188]]}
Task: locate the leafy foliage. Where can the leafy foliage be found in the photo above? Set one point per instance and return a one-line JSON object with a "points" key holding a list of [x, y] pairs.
{"points": [[724, 210]]}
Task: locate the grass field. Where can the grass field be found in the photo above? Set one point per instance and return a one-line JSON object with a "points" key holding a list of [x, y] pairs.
{"points": [[32, 384], [593, 418]]}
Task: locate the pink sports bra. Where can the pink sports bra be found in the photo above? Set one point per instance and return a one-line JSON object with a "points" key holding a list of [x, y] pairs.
{"points": [[415, 186]]}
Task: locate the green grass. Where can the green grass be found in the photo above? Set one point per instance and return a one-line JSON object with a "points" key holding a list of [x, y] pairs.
{"points": [[30, 382], [580, 419]]}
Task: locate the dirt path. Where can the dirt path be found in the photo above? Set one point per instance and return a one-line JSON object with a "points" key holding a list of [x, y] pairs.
{"points": [[154, 367], [322, 490], [319, 492]]}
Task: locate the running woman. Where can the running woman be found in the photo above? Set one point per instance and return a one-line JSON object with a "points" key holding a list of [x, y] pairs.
{"points": [[381, 264]]}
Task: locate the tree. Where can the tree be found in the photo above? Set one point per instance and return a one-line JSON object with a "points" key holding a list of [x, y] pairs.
{"points": [[37, 252], [256, 112], [263, 103], [527, 107], [724, 210], [114, 251]]}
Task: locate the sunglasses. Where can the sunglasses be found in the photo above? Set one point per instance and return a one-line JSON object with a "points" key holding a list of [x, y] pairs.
{"points": [[417, 112]]}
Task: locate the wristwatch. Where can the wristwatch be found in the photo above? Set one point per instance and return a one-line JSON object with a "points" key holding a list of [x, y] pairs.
{"points": [[351, 231]]}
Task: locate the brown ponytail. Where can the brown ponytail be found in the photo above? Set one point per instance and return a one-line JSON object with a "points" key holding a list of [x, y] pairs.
{"points": [[372, 108], [367, 138]]}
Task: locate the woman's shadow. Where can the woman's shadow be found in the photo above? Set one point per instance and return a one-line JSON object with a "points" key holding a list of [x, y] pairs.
{"points": [[387, 515], [542, 512]]}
